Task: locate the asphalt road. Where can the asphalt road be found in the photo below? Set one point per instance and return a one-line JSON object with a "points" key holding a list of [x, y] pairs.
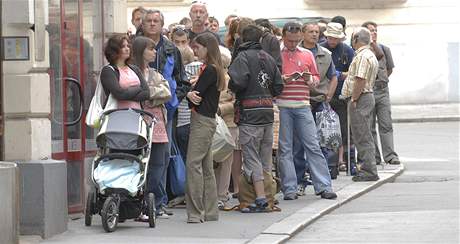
{"points": [[421, 206]]}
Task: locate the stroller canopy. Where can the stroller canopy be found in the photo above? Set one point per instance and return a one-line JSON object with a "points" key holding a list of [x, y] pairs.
{"points": [[123, 130]]}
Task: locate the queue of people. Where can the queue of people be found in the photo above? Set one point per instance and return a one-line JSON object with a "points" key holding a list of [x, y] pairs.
{"points": [[185, 75]]}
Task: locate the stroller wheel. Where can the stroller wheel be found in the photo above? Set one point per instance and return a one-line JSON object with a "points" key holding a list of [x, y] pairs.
{"points": [[109, 214], [89, 208], [151, 210]]}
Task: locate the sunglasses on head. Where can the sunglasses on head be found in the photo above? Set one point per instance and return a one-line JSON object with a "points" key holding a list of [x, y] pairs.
{"points": [[293, 28], [178, 27], [199, 2]]}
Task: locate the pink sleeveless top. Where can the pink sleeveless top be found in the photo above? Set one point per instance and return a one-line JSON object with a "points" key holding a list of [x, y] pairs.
{"points": [[128, 78]]}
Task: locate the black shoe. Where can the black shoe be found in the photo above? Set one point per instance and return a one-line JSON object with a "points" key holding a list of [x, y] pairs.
{"points": [[290, 196], [361, 177], [328, 195], [394, 161]]}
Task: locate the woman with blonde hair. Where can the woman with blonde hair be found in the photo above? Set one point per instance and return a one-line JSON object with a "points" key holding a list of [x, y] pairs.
{"points": [[201, 192]]}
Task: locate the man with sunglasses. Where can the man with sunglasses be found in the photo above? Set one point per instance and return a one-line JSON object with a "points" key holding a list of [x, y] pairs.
{"points": [[296, 117], [199, 15], [320, 95]]}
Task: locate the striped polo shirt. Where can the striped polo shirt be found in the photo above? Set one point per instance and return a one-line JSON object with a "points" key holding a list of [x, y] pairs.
{"points": [[183, 111], [296, 93]]}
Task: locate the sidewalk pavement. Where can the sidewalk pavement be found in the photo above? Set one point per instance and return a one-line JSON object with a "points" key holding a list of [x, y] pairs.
{"points": [[440, 112], [233, 226]]}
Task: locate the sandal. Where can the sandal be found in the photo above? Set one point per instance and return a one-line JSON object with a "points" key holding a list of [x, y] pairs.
{"points": [[253, 208], [342, 166]]}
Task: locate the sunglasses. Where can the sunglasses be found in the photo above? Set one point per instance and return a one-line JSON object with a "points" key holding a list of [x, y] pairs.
{"points": [[178, 27], [293, 28], [199, 2]]}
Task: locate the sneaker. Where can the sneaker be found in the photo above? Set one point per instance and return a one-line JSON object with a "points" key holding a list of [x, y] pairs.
{"points": [[328, 195], [300, 190], [361, 177], [394, 161], [235, 195], [142, 218], [166, 211], [162, 215], [290, 197], [223, 205]]}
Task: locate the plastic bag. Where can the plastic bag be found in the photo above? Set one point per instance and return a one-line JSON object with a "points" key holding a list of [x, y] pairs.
{"points": [[328, 127], [223, 143]]}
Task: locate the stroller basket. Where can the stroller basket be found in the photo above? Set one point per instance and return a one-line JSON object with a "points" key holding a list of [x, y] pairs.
{"points": [[123, 130]]}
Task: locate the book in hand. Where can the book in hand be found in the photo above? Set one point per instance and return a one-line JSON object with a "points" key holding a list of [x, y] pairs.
{"points": [[305, 75]]}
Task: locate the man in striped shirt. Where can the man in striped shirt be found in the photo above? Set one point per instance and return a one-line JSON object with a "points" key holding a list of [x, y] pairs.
{"points": [[296, 116]]}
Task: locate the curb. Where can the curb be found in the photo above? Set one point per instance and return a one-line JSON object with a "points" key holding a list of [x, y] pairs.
{"points": [[286, 228], [427, 119]]}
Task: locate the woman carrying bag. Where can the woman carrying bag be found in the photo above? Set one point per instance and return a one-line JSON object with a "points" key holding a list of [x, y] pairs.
{"points": [[143, 53], [124, 82]]}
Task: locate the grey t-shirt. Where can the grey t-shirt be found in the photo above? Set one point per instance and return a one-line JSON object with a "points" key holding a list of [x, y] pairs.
{"points": [[385, 63]]}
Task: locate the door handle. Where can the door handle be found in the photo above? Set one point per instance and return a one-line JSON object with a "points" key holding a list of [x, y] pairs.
{"points": [[81, 100], [80, 95]]}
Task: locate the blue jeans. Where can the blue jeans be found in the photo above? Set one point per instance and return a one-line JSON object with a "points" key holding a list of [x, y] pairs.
{"points": [[300, 158], [300, 121], [159, 159], [182, 135]]}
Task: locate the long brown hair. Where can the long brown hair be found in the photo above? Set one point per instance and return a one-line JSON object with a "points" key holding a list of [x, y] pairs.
{"points": [[213, 56], [139, 46], [230, 36]]}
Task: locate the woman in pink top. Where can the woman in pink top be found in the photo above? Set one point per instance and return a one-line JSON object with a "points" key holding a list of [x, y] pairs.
{"points": [[143, 53], [125, 82]]}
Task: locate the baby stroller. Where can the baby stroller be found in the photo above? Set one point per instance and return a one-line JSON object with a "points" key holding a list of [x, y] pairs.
{"points": [[119, 171]]}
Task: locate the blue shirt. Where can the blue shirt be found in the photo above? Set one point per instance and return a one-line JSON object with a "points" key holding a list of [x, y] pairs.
{"points": [[342, 55]]}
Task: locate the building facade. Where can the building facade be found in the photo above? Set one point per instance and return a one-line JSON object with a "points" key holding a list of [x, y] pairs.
{"points": [[52, 51]]}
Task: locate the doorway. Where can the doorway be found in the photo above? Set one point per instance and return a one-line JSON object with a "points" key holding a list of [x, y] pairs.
{"points": [[75, 30]]}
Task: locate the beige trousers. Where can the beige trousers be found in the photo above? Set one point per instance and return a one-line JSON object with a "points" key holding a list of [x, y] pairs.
{"points": [[224, 171], [201, 192]]}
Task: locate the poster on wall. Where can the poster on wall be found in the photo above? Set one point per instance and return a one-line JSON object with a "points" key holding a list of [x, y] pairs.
{"points": [[15, 48]]}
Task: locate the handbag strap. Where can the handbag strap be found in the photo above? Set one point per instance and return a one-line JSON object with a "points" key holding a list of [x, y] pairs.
{"points": [[174, 150]]}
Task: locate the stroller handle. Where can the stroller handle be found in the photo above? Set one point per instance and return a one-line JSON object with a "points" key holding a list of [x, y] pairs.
{"points": [[143, 112]]}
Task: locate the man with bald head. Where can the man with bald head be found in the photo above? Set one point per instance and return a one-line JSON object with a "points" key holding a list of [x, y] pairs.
{"points": [[199, 15], [358, 91]]}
